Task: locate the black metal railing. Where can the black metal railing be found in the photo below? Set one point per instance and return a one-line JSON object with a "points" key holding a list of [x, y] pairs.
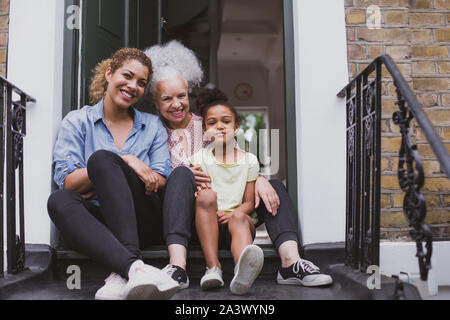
{"points": [[364, 101], [13, 103]]}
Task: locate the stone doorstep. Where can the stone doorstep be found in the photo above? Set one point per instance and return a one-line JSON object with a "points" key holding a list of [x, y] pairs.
{"points": [[38, 264], [158, 256], [46, 264], [357, 281], [326, 253], [159, 252], [322, 255]]}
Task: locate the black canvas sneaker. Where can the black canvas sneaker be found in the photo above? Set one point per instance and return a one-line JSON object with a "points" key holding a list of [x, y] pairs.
{"points": [[178, 274], [303, 273]]}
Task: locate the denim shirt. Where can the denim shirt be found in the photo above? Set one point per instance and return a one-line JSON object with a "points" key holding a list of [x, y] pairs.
{"points": [[84, 132]]}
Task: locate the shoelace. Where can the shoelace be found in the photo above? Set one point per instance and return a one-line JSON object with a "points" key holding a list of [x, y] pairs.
{"points": [[169, 269], [306, 266], [310, 267]]}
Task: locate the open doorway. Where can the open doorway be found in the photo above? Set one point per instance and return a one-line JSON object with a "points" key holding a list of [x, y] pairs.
{"points": [[241, 44], [250, 65]]}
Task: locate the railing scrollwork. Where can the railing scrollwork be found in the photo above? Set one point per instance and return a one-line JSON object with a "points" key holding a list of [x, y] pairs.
{"points": [[411, 179], [363, 165], [13, 103]]}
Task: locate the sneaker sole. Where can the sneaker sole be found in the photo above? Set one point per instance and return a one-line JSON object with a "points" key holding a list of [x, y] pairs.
{"points": [[298, 282], [150, 292], [247, 270], [106, 298], [211, 284]]}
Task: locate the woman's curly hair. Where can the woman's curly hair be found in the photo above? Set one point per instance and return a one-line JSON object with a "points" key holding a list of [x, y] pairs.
{"points": [[208, 98], [172, 60], [97, 89]]}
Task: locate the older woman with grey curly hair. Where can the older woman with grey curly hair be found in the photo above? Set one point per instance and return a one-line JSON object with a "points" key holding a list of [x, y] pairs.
{"points": [[177, 72]]}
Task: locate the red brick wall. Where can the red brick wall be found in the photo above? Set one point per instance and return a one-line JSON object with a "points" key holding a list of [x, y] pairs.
{"points": [[416, 33], [4, 26]]}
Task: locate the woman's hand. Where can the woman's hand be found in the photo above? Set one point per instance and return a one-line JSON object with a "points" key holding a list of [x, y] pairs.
{"points": [[201, 178], [147, 175], [201, 187], [265, 191]]}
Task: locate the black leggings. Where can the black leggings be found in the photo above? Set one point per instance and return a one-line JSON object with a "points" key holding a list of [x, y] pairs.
{"points": [[179, 208], [126, 220]]}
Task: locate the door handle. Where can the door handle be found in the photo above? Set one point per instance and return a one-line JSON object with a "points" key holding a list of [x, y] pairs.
{"points": [[163, 23]]}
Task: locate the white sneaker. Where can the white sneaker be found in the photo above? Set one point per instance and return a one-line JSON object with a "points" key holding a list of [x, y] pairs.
{"points": [[114, 288], [149, 283], [247, 269], [212, 279]]}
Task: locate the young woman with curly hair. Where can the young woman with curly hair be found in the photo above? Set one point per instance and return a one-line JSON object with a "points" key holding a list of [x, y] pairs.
{"points": [[110, 162]]}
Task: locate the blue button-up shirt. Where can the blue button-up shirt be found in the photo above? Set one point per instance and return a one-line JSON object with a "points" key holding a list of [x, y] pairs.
{"points": [[84, 132]]}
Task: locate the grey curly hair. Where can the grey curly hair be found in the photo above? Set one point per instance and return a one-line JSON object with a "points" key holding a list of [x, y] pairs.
{"points": [[173, 60]]}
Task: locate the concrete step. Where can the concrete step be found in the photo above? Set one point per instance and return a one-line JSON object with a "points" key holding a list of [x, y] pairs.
{"points": [[322, 255], [46, 278], [158, 256]]}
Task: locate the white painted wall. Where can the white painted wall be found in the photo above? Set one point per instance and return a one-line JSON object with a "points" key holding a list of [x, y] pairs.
{"points": [[35, 56], [396, 257], [321, 72]]}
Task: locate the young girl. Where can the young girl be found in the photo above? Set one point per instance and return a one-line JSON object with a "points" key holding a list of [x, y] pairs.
{"points": [[225, 208]]}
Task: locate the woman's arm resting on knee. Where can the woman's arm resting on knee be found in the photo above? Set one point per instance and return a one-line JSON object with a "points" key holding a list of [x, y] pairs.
{"points": [[265, 191], [79, 181]]}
